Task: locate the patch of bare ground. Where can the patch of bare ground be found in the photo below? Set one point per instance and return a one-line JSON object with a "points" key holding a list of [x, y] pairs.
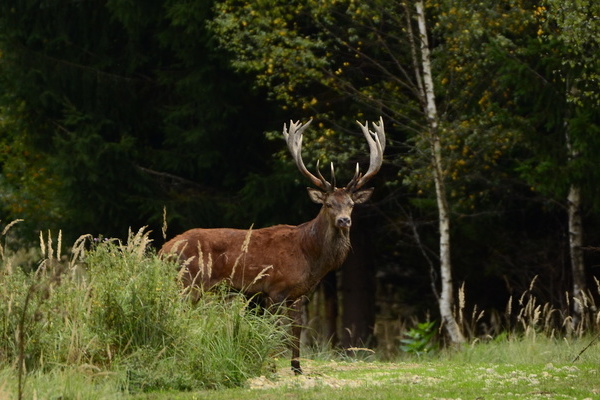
{"points": [[315, 376]]}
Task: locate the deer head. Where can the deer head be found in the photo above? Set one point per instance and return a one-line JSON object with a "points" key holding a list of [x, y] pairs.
{"points": [[338, 202]]}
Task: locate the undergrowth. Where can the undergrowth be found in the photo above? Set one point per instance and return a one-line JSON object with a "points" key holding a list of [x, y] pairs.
{"points": [[115, 312]]}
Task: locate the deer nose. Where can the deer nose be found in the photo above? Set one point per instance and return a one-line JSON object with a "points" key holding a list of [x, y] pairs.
{"points": [[344, 222]]}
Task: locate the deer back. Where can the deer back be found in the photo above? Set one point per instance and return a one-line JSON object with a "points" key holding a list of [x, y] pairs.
{"points": [[281, 261]]}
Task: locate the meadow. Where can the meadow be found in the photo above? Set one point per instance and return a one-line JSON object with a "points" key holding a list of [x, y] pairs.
{"points": [[110, 320]]}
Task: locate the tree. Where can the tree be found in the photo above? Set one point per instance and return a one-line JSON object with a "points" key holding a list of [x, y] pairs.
{"points": [[573, 32], [121, 109], [446, 300]]}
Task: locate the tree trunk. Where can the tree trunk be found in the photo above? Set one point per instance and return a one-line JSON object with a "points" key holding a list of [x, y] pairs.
{"points": [[575, 238], [576, 244], [446, 300], [330, 298], [358, 289]]}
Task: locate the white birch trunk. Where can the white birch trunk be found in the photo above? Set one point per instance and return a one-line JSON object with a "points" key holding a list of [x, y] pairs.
{"points": [[446, 300], [575, 239], [576, 244]]}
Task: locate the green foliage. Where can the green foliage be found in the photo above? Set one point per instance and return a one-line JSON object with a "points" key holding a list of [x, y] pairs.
{"points": [[122, 110], [524, 71], [420, 339], [336, 61], [28, 188], [574, 32], [136, 302], [118, 309]]}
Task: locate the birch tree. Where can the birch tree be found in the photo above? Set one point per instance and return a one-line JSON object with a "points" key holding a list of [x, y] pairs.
{"points": [[446, 300]]}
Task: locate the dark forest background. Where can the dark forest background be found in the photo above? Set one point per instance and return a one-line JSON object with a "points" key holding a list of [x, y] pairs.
{"points": [[112, 112]]}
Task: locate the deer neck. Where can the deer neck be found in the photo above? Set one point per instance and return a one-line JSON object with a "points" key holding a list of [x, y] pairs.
{"points": [[325, 244]]}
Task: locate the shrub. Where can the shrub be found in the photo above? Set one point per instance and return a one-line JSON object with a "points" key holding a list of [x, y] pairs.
{"points": [[117, 307]]}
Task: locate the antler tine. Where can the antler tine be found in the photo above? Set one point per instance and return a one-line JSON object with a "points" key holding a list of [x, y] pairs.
{"points": [[320, 176], [380, 130], [332, 174], [293, 137], [376, 141]]}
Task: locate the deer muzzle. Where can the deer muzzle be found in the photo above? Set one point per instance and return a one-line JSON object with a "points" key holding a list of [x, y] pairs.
{"points": [[343, 222]]}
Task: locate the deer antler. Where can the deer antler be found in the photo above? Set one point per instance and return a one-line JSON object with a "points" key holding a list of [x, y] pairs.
{"points": [[294, 142], [376, 141]]}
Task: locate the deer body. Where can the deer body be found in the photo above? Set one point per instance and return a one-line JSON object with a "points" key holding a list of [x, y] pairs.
{"points": [[297, 259], [282, 262]]}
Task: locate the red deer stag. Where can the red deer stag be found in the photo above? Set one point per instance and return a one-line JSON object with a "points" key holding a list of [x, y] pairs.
{"points": [[282, 262]]}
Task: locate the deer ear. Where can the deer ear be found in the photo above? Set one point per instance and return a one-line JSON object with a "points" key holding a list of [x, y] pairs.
{"points": [[316, 195], [362, 195]]}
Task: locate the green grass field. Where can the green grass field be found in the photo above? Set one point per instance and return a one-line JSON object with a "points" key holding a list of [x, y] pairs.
{"points": [[519, 369], [526, 368]]}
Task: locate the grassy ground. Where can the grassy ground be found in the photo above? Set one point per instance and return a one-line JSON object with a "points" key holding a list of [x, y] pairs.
{"points": [[332, 380], [538, 370], [428, 380], [524, 368]]}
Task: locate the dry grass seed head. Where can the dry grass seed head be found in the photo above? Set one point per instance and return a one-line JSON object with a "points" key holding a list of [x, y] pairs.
{"points": [[548, 312], [178, 247], [59, 245], [204, 268], [245, 246], [42, 244], [164, 225], [509, 306], [8, 265], [532, 284], [47, 248], [479, 316], [10, 225], [568, 322], [262, 274], [186, 269], [78, 250], [461, 303], [536, 315], [137, 243]]}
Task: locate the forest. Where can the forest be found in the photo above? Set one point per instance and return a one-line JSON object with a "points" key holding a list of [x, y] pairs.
{"points": [[125, 114]]}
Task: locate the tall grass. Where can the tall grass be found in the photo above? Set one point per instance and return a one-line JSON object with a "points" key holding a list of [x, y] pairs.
{"points": [[525, 319], [529, 330], [526, 316], [114, 314]]}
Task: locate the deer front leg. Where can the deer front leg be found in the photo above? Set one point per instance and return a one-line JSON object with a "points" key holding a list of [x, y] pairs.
{"points": [[295, 314]]}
